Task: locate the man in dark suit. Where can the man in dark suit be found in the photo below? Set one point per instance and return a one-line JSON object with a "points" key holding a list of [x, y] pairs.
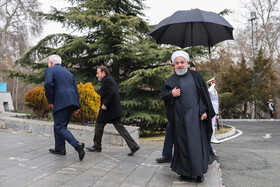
{"points": [[62, 94], [110, 112]]}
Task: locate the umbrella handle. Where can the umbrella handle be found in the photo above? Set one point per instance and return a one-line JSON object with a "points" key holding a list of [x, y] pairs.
{"points": [[192, 40]]}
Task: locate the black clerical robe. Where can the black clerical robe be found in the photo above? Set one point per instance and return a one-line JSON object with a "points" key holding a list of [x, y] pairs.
{"points": [[191, 135]]}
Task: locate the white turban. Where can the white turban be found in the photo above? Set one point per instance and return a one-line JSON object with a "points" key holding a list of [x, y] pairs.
{"points": [[180, 54]]}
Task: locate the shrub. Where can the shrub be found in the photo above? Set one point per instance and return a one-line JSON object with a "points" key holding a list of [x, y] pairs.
{"points": [[89, 102], [36, 100]]}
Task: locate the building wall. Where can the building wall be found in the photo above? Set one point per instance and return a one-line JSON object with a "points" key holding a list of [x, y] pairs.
{"points": [[6, 103]]}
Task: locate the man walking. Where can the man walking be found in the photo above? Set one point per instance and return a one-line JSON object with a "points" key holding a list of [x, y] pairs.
{"points": [[168, 141], [189, 113], [110, 111], [62, 94]]}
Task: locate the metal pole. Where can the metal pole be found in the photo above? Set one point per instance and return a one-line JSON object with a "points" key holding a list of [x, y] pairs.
{"points": [[17, 94], [254, 80], [253, 17]]}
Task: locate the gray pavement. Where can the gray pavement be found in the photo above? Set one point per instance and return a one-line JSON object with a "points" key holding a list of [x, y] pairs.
{"points": [[252, 159], [25, 161]]}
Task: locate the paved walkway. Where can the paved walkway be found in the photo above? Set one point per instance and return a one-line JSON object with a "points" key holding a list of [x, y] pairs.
{"points": [[25, 161]]}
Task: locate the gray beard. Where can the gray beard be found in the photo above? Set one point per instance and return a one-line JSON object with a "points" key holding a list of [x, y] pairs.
{"points": [[181, 71]]}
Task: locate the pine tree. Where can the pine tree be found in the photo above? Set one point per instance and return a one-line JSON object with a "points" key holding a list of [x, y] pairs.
{"points": [[235, 91], [265, 84], [111, 33], [142, 104]]}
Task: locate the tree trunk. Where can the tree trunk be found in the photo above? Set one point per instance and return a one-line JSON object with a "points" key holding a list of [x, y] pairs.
{"points": [[2, 44], [245, 111]]}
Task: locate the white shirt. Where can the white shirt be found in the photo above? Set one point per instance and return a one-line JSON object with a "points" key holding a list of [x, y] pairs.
{"points": [[214, 98], [270, 105]]}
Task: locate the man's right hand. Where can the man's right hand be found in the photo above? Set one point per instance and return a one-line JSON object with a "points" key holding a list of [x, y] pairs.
{"points": [[104, 107], [76, 111], [176, 92]]}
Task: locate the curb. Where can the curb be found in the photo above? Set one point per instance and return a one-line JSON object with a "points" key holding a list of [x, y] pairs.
{"points": [[249, 120], [228, 134]]}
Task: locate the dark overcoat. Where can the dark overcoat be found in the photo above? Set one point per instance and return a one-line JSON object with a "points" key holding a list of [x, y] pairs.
{"points": [[191, 136], [166, 95], [60, 88], [110, 97]]}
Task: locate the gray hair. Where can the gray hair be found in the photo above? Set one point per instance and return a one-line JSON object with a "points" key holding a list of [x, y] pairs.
{"points": [[55, 59]]}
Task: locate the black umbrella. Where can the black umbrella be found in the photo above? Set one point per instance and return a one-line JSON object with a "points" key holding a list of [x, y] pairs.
{"points": [[192, 28]]}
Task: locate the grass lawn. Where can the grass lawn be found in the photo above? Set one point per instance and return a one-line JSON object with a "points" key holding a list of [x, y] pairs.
{"points": [[223, 129], [153, 138], [22, 111]]}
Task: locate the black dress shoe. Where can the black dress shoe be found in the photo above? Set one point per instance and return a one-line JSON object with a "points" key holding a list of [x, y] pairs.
{"points": [[94, 149], [212, 159], [133, 150], [200, 179], [185, 178], [163, 159], [80, 149], [58, 152]]}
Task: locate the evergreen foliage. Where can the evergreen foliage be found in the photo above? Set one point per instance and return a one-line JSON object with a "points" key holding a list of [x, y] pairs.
{"points": [[142, 105], [242, 85], [235, 91], [265, 84], [111, 34]]}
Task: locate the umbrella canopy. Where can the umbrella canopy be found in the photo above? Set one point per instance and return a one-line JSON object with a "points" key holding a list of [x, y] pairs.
{"points": [[192, 28]]}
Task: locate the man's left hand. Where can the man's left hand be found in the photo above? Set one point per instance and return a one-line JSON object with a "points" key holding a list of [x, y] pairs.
{"points": [[203, 116]]}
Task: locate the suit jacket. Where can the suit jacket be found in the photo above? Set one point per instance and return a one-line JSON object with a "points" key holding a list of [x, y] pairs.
{"points": [[60, 88], [110, 97]]}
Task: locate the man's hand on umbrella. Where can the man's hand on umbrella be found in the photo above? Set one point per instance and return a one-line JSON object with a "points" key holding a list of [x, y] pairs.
{"points": [[176, 92]]}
